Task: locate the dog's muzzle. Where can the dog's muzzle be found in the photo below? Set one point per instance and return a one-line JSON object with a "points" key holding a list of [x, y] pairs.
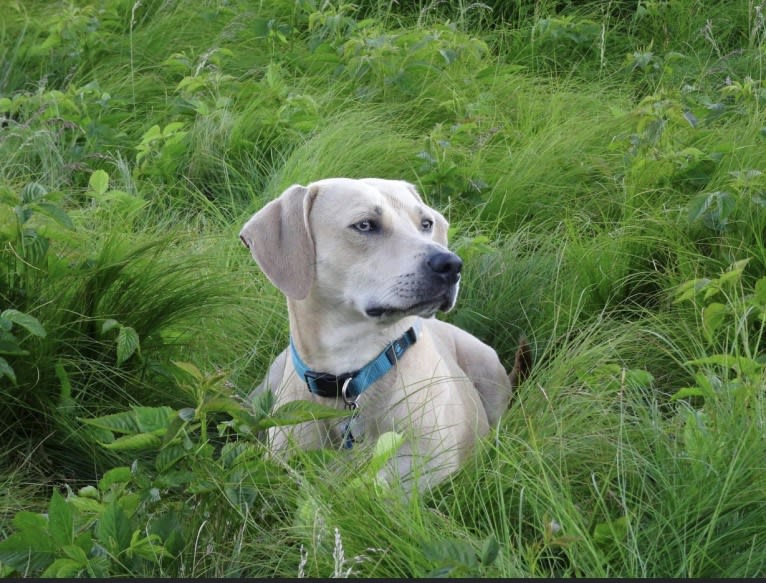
{"points": [[433, 290]]}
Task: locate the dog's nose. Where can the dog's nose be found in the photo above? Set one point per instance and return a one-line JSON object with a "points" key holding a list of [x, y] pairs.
{"points": [[446, 265]]}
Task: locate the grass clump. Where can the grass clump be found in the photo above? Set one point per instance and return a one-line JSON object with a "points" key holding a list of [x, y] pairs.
{"points": [[602, 167]]}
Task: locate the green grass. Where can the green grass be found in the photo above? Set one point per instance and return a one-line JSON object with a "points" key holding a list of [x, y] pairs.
{"points": [[602, 166]]}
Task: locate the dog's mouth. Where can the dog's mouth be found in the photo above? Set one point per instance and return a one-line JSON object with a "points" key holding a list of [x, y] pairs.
{"points": [[425, 309]]}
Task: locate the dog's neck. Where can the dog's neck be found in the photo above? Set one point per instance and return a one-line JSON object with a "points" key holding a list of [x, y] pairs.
{"points": [[332, 343]]}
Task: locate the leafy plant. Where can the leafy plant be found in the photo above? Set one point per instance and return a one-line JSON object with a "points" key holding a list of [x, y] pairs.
{"points": [[9, 343]]}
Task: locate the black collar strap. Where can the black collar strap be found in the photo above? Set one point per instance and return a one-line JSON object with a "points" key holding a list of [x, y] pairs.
{"points": [[350, 385]]}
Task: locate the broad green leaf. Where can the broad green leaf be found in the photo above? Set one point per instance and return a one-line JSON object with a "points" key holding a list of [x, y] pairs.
{"points": [[63, 569], [57, 213], [10, 345], [113, 529], [86, 506], [691, 392], [451, 553], [75, 553], [385, 448], [263, 403], [713, 316], [151, 134], [6, 370], [29, 323], [169, 456], [739, 364], [99, 182], [60, 520], [760, 291], [88, 492], [187, 414], [35, 246], [147, 547], [30, 522], [153, 419], [489, 550], [611, 532], [32, 192], [172, 128], [222, 405], [296, 412], [734, 273], [127, 344], [689, 289], [139, 441], [190, 369], [118, 475], [109, 324], [30, 548], [123, 422]]}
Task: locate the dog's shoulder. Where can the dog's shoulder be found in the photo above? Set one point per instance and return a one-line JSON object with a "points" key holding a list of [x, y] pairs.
{"points": [[479, 362], [464, 345]]}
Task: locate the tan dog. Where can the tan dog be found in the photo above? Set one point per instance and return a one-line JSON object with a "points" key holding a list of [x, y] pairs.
{"points": [[364, 265]]}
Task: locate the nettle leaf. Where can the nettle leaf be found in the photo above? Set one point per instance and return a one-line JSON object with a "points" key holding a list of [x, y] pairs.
{"points": [[60, 520], [296, 412], [713, 316], [137, 442], [172, 128], [124, 422], [190, 369], [57, 213], [99, 182], [385, 448], [452, 553], [29, 323], [689, 289], [119, 475], [63, 569], [6, 370], [489, 550], [611, 532], [152, 419], [740, 364], [169, 456], [760, 291], [127, 344], [263, 403], [109, 324], [32, 192], [113, 529], [30, 548]]}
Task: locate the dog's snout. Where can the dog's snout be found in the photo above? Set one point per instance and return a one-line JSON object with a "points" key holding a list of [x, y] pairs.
{"points": [[447, 265]]}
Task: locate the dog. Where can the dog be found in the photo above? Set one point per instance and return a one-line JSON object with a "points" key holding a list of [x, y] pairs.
{"points": [[364, 266]]}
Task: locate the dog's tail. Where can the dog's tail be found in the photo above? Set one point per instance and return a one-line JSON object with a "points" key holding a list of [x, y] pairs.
{"points": [[522, 363]]}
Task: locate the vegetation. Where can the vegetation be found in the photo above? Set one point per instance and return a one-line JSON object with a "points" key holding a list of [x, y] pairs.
{"points": [[603, 166]]}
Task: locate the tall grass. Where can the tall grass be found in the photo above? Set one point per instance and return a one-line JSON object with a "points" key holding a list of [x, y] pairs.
{"points": [[602, 167]]}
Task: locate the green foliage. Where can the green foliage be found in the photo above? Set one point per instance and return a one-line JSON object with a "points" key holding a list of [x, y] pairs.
{"points": [[602, 167], [9, 343]]}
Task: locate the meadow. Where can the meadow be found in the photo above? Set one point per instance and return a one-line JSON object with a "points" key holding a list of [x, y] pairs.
{"points": [[602, 165]]}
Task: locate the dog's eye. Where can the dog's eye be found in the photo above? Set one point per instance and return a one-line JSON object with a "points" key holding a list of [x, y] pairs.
{"points": [[426, 224], [365, 226]]}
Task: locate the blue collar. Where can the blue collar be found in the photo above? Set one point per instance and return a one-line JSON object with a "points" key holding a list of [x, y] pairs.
{"points": [[350, 385]]}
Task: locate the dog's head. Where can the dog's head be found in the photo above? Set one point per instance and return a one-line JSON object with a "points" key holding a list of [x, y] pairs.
{"points": [[368, 246]]}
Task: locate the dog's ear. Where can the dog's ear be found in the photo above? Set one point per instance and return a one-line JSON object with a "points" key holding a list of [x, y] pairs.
{"points": [[414, 191], [279, 239], [440, 224], [440, 229]]}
